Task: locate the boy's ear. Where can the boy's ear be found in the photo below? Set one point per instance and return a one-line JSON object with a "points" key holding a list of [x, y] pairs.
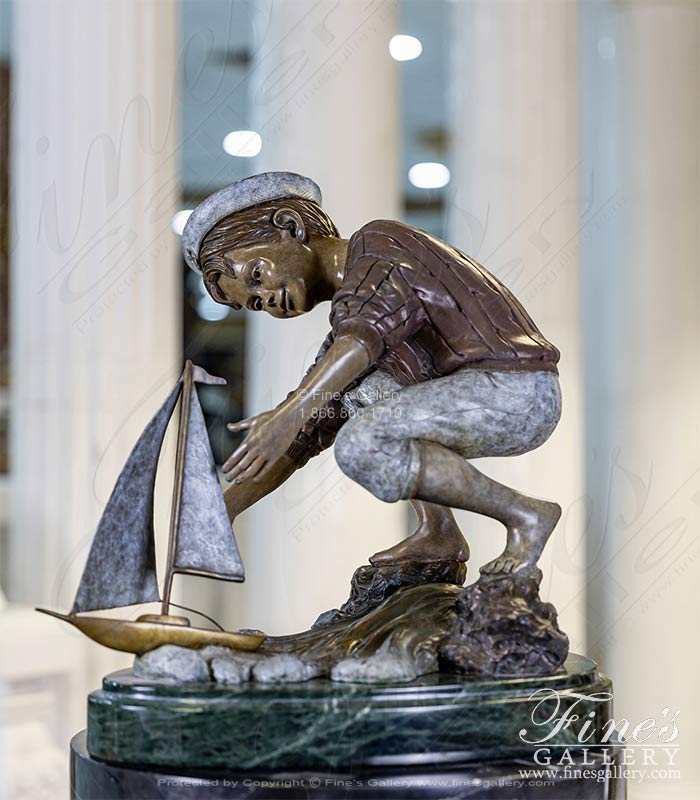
{"points": [[290, 223]]}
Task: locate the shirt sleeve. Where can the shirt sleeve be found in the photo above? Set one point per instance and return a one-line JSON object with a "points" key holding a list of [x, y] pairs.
{"points": [[318, 433], [377, 305]]}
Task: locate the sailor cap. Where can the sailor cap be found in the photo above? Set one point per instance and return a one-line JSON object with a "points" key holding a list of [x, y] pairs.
{"points": [[238, 196]]}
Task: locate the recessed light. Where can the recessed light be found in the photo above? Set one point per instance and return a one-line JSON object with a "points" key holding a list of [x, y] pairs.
{"points": [[244, 144], [210, 310], [429, 175], [405, 48], [606, 48], [179, 220]]}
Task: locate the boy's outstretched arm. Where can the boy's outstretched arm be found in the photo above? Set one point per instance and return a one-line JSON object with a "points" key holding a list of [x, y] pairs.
{"points": [[240, 497], [257, 459]]}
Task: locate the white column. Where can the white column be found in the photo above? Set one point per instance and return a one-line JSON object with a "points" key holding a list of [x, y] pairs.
{"points": [[96, 280], [325, 99], [642, 327], [514, 206]]}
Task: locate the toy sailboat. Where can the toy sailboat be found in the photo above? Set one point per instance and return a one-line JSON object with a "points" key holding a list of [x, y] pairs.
{"points": [[121, 567]]}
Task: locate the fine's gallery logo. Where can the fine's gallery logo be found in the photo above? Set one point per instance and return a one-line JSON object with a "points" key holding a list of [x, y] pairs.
{"points": [[592, 739], [553, 713]]}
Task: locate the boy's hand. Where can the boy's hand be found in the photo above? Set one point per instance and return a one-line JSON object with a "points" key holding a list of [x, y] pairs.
{"points": [[270, 435], [249, 424], [239, 497]]}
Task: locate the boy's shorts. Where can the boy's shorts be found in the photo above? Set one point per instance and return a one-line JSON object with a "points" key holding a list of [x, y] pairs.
{"points": [[475, 413]]}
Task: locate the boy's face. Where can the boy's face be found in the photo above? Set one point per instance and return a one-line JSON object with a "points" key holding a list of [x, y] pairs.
{"points": [[276, 277]]}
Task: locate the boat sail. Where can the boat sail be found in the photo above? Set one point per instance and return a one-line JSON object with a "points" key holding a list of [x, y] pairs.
{"points": [[121, 566]]}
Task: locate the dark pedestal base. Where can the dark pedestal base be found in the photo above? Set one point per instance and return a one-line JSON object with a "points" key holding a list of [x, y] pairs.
{"points": [[498, 780], [441, 736], [322, 724]]}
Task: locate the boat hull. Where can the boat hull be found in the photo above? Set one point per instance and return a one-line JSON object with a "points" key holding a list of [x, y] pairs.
{"points": [[138, 637]]}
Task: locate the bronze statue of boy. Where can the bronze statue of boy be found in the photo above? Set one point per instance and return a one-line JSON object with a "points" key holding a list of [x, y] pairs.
{"points": [[434, 360]]}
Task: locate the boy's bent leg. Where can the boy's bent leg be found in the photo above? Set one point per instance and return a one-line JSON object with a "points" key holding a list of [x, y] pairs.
{"points": [[417, 446], [437, 538], [445, 477]]}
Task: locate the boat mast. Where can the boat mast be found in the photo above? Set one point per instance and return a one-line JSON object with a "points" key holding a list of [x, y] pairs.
{"points": [[186, 397]]}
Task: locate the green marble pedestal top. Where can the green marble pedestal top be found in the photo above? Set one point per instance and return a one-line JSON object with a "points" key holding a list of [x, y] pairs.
{"points": [[318, 724]]}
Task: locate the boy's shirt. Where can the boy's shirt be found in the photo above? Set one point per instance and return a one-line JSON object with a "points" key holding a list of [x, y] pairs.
{"points": [[423, 310]]}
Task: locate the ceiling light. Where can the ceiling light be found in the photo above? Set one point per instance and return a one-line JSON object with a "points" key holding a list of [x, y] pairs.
{"points": [[429, 175], [177, 223], [244, 144], [405, 48], [210, 310], [606, 48]]}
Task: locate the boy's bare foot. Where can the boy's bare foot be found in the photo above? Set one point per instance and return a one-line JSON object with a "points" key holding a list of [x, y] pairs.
{"points": [[429, 542], [526, 540]]}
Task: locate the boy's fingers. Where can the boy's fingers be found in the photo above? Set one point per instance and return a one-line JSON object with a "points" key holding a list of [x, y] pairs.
{"points": [[252, 469], [234, 457], [243, 425], [257, 469], [241, 465]]}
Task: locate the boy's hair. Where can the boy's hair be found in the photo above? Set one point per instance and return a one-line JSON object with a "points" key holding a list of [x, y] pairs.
{"points": [[254, 225]]}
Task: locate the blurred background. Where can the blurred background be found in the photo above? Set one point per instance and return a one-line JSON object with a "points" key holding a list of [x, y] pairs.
{"points": [[556, 142]]}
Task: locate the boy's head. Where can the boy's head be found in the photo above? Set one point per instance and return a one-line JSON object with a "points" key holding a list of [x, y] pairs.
{"points": [[261, 255]]}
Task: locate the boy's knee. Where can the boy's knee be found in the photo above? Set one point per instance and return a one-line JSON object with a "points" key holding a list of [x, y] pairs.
{"points": [[356, 452], [371, 460]]}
